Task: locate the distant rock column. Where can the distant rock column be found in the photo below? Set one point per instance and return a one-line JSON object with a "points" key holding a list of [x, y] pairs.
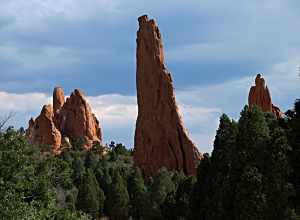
{"points": [[160, 137], [260, 96]]}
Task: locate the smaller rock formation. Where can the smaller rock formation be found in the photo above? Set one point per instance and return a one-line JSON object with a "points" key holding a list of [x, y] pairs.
{"points": [[78, 121], [66, 120], [42, 131], [260, 96], [58, 99], [161, 139]]}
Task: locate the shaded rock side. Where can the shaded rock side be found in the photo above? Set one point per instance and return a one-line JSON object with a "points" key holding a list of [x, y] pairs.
{"points": [[42, 131], [260, 96], [160, 137]]}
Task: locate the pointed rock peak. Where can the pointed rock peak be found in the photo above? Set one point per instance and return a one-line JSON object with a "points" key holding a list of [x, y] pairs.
{"points": [[78, 92], [58, 99], [260, 96], [160, 137], [47, 111], [70, 119], [150, 39], [143, 19], [260, 81]]}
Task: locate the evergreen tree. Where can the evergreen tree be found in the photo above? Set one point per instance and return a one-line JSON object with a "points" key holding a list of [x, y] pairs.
{"points": [[276, 175], [293, 132], [199, 199], [220, 191], [137, 193], [118, 198], [183, 195], [78, 170], [90, 197], [250, 198]]}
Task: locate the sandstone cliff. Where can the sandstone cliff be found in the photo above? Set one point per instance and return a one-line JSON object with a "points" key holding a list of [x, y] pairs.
{"points": [[160, 137]]}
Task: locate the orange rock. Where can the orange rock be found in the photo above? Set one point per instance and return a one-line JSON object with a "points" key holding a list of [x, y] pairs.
{"points": [[260, 96], [160, 137], [58, 99], [42, 131], [72, 119], [77, 120]]}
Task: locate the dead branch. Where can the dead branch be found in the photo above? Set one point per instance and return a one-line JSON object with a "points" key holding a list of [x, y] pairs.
{"points": [[6, 118]]}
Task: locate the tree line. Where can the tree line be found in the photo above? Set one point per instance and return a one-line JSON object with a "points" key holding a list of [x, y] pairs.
{"points": [[253, 173]]}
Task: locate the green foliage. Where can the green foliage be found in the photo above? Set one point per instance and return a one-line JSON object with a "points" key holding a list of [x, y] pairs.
{"points": [[90, 197], [137, 192], [293, 133], [118, 200], [252, 173]]}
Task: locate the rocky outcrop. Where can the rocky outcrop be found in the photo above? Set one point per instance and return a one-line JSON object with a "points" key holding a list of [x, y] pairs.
{"points": [[160, 137], [66, 120], [260, 96], [42, 131], [76, 120]]}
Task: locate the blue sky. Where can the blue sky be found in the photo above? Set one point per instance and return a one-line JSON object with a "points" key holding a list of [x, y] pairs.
{"points": [[213, 50]]}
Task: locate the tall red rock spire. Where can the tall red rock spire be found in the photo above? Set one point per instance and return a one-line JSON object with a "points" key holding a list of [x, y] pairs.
{"points": [[260, 96], [160, 137]]}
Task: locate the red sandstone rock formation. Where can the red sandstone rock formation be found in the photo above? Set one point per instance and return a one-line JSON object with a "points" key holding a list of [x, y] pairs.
{"points": [[58, 99], [78, 121], [42, 131], [71, 119], [160, 137], [260, 96]]}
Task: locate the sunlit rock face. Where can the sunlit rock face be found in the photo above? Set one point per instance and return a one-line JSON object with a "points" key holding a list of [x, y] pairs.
{"points": [[160, 137], [42, 130], [66, 120], [260, 96]]}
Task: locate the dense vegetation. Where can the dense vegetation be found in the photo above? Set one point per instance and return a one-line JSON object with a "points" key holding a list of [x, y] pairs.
{"points": [[252, 173]]}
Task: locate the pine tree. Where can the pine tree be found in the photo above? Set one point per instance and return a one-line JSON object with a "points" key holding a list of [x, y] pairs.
{"points": [[90, 197], [137, 193], [183, 195], [118, 199], [199, 199], [276, 175], [250, 198], [293, 133], [220, 191]]}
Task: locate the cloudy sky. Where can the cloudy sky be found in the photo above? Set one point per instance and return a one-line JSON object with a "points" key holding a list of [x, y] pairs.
{"points": [[213, 49]]}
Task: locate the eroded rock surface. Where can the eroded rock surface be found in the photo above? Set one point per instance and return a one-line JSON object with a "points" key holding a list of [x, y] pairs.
{"points": [[66, 120], [78, 121], [160, 137], [260, 96], [42, 130]]}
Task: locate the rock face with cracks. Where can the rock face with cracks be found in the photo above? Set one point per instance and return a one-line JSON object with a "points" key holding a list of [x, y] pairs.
{"points": [[160, 137], [260, 96], [66, 120]]}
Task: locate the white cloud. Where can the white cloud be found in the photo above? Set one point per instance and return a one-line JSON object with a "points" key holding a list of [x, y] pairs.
{"points": [[22, 102]]}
